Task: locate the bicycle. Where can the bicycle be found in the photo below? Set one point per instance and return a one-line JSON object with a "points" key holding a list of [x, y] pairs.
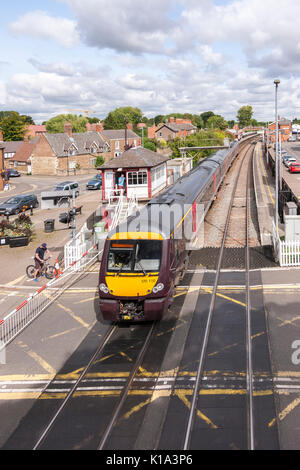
{"points": [[46, 269]]}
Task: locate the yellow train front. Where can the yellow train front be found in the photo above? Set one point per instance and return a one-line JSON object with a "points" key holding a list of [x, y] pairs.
{"points": [[135, 282]]}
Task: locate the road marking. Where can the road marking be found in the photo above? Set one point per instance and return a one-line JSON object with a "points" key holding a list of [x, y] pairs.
{"points": [[16, 281], [284, 413], [47, 367], [75, 317]]}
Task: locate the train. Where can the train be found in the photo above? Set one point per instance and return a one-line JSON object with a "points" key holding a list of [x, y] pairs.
{"points": [[144, 258]]}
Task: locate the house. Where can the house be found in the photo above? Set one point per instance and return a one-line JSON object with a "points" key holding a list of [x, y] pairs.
{"points": [[175, 128], [34, 130], [145, 173], [284, 128], [68, 153], [21, 160], [10, 148], [117, 137], [177, 167]]}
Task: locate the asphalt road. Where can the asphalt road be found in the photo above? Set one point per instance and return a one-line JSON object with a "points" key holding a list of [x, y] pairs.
{"points": [[28, 184]]}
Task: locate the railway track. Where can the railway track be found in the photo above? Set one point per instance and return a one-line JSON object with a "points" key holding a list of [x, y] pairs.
{"points": [[50, 437], [216, 333]]}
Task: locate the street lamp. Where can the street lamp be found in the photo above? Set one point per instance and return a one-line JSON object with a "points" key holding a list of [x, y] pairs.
{"points": [[276, 83]]}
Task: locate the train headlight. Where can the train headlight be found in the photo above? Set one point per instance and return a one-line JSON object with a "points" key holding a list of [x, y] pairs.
{"points": [[103, 288], [157, 288]]}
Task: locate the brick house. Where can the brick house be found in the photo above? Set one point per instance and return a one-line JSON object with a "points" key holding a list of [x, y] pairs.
{"points": [[10, 148], [21, 160], [34, 130], [284, 128], [116, 139], [68, 153], [175, 128]]}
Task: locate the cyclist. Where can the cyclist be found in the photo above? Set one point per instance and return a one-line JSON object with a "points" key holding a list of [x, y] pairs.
{"points": [[39, 258]]}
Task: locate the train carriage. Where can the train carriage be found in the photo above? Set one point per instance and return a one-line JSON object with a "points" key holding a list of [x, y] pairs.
{"points": [[144, 257]]}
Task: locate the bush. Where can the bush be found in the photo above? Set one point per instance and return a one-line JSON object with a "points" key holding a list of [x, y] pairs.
{"points": [[22, 225], [99, 161]]}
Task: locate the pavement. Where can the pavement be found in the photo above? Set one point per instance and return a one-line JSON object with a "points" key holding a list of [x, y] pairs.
{"points": [[13, 279], [265, 198]]}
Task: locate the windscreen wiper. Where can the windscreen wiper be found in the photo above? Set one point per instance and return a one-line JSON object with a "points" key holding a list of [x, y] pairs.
{"points": [[139, 263]]}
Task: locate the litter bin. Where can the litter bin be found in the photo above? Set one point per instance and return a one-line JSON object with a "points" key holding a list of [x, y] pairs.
{"points": [[49, 225], [99, 228]]}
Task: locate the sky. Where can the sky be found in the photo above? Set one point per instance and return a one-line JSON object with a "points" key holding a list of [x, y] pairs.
{"points": [[162, 56]]}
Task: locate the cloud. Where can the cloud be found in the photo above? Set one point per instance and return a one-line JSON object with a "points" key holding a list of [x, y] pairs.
{"points": [[39, 24], [58, 68], [135, 26], [267, 31]]}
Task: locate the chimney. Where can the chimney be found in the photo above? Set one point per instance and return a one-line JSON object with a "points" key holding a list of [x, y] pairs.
{"points": [[26, 138], [88, 126], [99, 127], [1, 136], [129, 126], [68, 128], [172, 119]]}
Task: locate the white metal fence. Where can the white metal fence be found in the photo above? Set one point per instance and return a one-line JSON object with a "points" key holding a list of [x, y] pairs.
{"points": [[287, 252], [17, 320], [76, 248]]}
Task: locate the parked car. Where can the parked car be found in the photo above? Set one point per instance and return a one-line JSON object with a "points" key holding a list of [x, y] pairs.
{"points": [[95, 182], [16, 204], [67, 186], [294, 167], [12, 173], [288, 161]]}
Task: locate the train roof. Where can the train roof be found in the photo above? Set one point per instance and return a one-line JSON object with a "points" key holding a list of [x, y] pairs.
{"points": [[164, 213]]}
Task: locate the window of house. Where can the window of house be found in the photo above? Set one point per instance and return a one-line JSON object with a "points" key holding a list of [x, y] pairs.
{"points": [[137, 178], [117, 146]]}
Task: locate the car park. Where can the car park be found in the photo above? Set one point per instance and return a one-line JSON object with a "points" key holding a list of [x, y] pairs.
{"points": [[95, 182], [67, 186], [17, 204], [294, 167]]}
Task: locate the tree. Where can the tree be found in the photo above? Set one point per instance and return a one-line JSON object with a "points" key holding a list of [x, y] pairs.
{"points": [[56, 124], [205, 116], [217, 122], [115, 119], [150, 145], [13, 126], [244, 116], [99, 161]]}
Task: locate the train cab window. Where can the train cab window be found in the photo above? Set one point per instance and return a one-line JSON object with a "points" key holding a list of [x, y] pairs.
{"points": [[148, 255], [120, 256]]}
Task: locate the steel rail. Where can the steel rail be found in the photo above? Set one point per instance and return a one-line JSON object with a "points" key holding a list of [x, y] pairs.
{"points": [[75, 386], [199, 374], [126, 389]]}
